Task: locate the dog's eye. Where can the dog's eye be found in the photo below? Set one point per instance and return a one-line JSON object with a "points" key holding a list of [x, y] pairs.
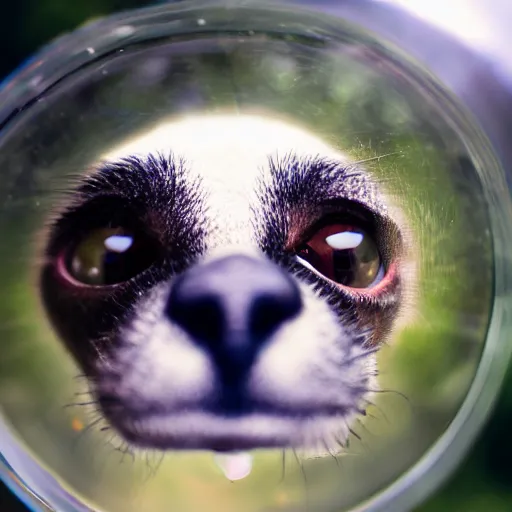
{"points": [[344, 254], [109, 256]]}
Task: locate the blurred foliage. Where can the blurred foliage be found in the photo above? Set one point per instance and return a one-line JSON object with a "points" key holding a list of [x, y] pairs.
{"points": [[483, 481]]}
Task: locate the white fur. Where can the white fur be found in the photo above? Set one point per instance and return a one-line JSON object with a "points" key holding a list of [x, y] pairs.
{"points": [[229, 153], [159, 364]]}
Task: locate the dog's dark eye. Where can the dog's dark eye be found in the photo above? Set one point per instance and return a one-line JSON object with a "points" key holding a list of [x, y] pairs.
{"points": [[109, 256], [344, 254]]}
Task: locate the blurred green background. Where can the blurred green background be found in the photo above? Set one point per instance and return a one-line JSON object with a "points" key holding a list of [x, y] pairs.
{"points": [[484, 482]]}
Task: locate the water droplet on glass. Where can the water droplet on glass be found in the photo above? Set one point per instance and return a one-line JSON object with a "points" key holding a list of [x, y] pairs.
{"points": [[235, 466]]}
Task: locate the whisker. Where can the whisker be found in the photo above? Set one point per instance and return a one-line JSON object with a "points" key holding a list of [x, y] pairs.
{"points": [[283, 466], [343, 444], [86, 430], [125, 450], [370, 403], [81, 376], [151, 467], [159, 458], [373, 158], [393, 392], [366, 429], [82, 393], [93, 424], [304, 476], [367, 353], [354, 433], [80, 404], [328, 449]]}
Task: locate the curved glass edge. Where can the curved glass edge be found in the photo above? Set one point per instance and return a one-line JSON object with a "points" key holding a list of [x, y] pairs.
{"points": [[447, 454], [444, 458], [18, 488], [12, 476], [27, 83], [37, 489]]}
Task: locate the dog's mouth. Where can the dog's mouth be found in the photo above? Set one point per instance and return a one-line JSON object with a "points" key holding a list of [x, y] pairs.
{"points": [[198, 430], [221, 431]]}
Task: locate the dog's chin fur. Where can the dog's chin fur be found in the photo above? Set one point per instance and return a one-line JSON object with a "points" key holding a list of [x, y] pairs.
{"points": [[158, 387], [313, 436]]}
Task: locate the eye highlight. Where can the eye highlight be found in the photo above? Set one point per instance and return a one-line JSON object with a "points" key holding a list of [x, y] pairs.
{"points": [[345, 254], [108, 256]]}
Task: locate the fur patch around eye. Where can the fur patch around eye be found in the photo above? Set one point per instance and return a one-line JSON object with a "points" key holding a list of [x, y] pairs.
{"points": [[126, 212]]}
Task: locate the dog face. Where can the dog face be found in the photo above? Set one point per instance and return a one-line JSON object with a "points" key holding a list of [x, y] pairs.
{"points": [[225, 283]]}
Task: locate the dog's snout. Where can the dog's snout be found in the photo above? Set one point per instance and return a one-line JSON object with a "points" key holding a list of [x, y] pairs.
{"points": [[232, 305]]}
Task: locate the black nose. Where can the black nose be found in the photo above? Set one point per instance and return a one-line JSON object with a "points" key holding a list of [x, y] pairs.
{"points": [[232, 306]]}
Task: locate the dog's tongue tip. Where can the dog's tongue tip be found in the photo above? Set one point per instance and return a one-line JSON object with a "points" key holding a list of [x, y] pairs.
{"points": [[235, 466]]}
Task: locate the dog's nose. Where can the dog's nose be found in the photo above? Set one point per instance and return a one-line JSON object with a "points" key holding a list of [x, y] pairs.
{"points": [[232, 305]]}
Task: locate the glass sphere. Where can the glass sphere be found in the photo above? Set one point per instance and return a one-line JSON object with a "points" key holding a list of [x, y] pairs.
{"points": [[218, 82]]}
